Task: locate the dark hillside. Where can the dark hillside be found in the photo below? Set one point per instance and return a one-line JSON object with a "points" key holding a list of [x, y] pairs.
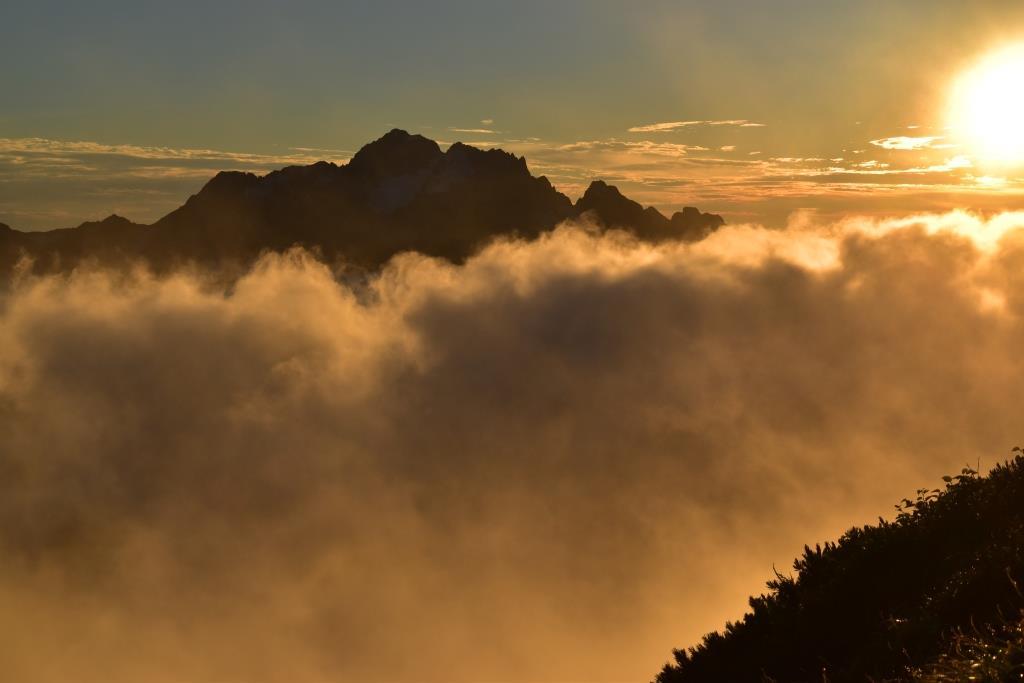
{"points": [[917, 598]]}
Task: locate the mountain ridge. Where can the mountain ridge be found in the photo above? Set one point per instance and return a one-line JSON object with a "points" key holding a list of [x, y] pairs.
{"points": [[398, 193]]}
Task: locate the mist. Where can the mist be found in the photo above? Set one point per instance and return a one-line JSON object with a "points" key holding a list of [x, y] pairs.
{"points": [[555, 462]]}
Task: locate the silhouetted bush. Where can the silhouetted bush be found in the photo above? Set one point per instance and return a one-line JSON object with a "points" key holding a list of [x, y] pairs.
{"points": [[993, 653], [917, 598]]}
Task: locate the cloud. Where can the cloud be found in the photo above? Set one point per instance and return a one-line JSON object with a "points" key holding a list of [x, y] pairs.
{"points": [[534, 466], [474, 130], [59, 148], [670, 149], [663, 127], [676, 125], [904, 142], [48, 183]]}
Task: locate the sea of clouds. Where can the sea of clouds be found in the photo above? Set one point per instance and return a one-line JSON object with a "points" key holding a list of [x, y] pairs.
{"points": [[552, 463]]}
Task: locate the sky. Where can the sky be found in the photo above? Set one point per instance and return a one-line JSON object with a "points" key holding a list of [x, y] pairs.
{"points": [[750, 109]]}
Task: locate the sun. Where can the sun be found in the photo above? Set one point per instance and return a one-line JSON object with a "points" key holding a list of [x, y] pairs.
{"points": [[987, 107]]}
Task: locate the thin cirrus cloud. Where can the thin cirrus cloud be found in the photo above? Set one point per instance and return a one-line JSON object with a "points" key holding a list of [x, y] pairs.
{"points": [[45, 146], [47, 183], [643, 146], [668, 126], [907, 142], [481, 131]]}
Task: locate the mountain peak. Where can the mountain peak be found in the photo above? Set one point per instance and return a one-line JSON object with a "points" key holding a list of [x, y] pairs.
{"points": [[229, 183], [690, 221], [490, 162], [396, 153], [599, 188], [111, 221], [615, 210], [611, 206]]}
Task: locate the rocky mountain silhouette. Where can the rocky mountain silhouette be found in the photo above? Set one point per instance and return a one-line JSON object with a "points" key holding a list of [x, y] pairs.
{"points": [[398, 193]]}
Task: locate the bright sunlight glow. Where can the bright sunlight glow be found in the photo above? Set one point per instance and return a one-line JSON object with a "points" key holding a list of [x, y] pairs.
{"points": [[987, 112]]}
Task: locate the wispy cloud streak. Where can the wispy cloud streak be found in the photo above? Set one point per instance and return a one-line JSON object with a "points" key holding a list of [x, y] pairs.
{"points": [[904, 142], [669, 126]]}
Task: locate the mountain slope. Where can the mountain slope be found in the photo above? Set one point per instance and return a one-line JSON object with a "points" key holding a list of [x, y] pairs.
{"points": [[887, 602], [398, 193]]}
